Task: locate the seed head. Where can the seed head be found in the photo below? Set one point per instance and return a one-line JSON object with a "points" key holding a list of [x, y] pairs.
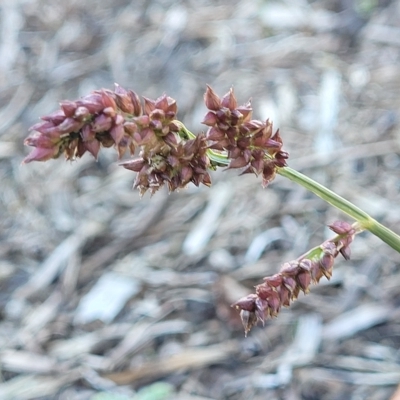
{"points": [[281, 289]]}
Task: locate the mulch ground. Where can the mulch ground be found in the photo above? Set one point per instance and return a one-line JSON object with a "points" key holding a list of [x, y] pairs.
{"points": [[108, 296]]}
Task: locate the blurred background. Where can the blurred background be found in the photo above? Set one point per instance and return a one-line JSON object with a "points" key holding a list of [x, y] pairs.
{"points": [[106, 296]]}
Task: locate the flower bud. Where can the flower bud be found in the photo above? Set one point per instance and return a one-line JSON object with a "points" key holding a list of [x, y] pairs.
{"points": [[268, 173], [246, 303], [264, 291], [117, 133], [108, 101], [274, 280], [210, 119], [290, 269], [87, 133], [246, 111], [304, 279], [326, 263], [41, 154], [289, 283], [305, 264], [68, 108], [110, 111], [93, 102], [341, 228], [274, 303], [93, 147], [186, 175], [135, 165], [123, 99], [257, 166], [206, 179], [149, 105], [101, 123], [137, 106], [162, 103], [81, 113], [239, 162], [345, 252], [229, 100], [284, 295], [45, 127], [157, 125], [56, 117], [70, 125], [330, 248], [211, 99], [261, 308]]}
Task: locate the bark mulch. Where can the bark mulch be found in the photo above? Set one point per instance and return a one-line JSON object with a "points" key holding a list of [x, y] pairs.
{"points": [[104, 295]]}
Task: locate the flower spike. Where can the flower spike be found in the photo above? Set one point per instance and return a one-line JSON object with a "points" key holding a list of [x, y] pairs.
{"points": [[295, 276]]}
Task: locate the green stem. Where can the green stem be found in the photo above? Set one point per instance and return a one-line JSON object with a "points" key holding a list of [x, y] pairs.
{"points": [[326, 194], [365, 221]]}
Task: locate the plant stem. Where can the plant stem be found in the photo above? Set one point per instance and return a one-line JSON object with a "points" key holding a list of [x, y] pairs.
{"points": [[326, 194], [365, 221]]}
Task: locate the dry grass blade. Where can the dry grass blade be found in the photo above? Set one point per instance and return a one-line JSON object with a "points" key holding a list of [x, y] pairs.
{"points": [[189, 359], [30, 387], [17, 104], [354, 378], [25, 362], [351, 322], [57, 260]]}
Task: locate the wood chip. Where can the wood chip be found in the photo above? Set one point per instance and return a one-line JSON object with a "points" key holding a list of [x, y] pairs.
{"points": [[202, 232], [28, 387], [27, 362], [354, 378], [19, 101], [82, 344], [306, 341], [106, 298], [142, 334], [54, 264], [39, 318], [189, 359], [361, 318]]}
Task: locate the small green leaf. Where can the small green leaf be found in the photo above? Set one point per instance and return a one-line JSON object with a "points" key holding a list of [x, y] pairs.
{"points": [[110, 396], [156, 391]]}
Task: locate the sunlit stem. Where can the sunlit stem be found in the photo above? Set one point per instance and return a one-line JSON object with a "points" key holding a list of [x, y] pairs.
{"points": [[364, 220]]}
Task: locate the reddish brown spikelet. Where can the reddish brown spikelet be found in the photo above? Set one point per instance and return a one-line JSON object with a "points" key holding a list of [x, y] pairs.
{"points": [[303, 279], [212, 100], [127, 101], [82, 125], [41, 154], [68, 108], [229, 100], [251, 144], [342, 228], [137, 106], [295, 276], [274, 280]]}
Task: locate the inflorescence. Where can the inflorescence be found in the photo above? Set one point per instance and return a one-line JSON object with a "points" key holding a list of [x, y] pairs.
{"points": [[295, 276], [166, 153]]}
